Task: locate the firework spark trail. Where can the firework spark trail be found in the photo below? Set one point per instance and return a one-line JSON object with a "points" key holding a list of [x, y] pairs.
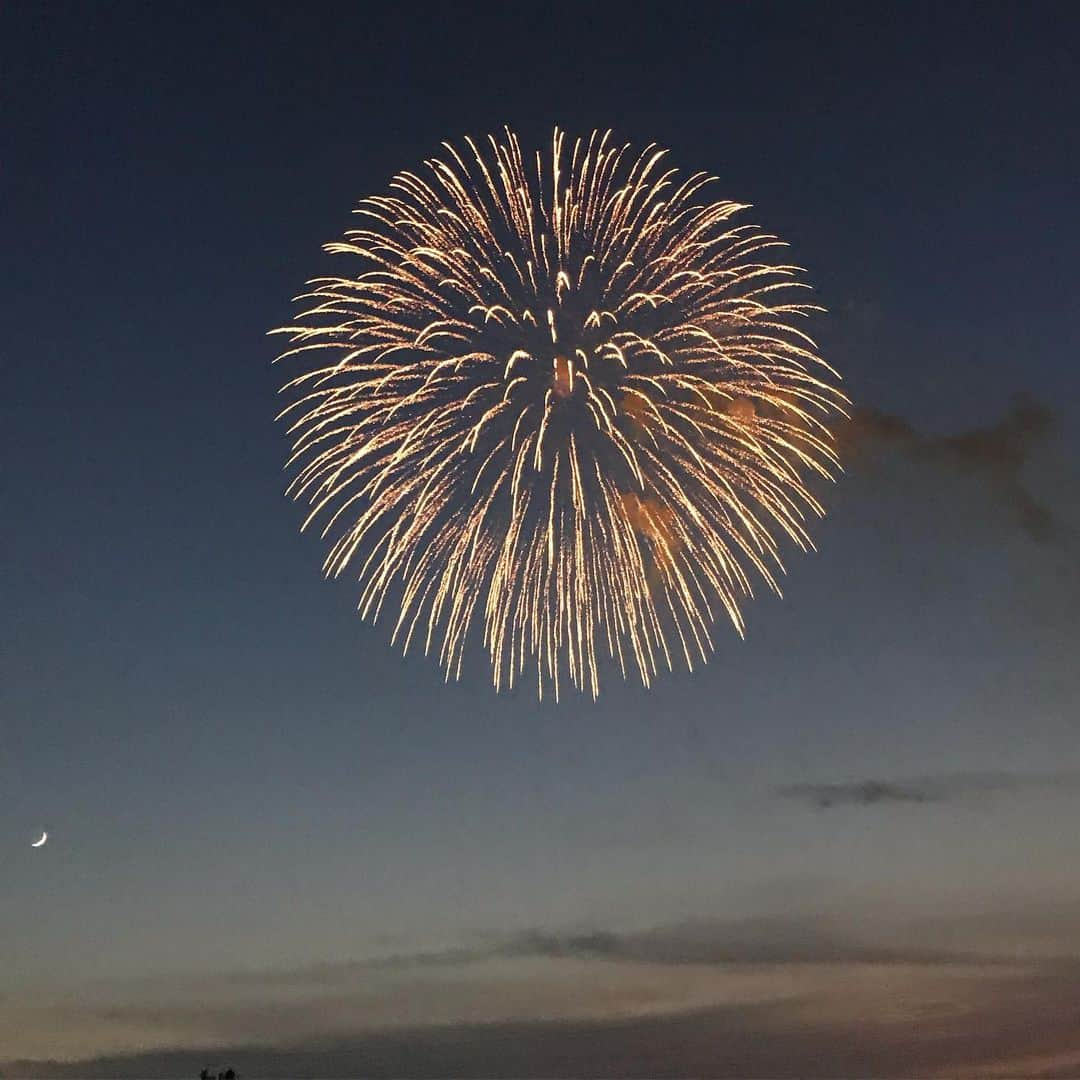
{"points": [[565, 400]]}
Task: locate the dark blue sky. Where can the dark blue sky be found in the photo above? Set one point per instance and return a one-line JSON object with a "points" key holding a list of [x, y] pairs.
{"points": [[239, 775]]}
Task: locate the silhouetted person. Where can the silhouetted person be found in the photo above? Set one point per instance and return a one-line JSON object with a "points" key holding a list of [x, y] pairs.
{"points": [[230, 1075], [205, 1075]]}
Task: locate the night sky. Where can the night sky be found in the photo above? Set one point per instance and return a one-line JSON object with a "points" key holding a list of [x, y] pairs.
{"points": [[847, 846]]}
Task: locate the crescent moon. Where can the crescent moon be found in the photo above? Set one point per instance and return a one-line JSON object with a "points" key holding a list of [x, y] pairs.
{"points": [[41, 842]]}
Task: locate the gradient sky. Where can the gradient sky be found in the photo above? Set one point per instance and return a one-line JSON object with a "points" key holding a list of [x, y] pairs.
{"points": [[271, 833]]}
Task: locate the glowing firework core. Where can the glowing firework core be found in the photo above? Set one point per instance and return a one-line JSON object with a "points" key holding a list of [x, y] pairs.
{"points": [[564, 401]]}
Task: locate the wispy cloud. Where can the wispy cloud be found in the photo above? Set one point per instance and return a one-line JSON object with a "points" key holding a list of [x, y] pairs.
{"points": [[859, 793], [948, 787], [753, 941], [717, 942], [719, 997], [920, 1024]]}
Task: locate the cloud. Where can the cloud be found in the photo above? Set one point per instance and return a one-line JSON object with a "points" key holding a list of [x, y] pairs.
{"points": [[570, 977], [779, 996], [995, 455], [932, 789], [716, 942], [862, 793], [752, 941], [1018, 1022], [336, 974]]}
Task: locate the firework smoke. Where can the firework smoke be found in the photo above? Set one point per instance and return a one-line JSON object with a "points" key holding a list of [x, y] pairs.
{"points": [[995, 454]]}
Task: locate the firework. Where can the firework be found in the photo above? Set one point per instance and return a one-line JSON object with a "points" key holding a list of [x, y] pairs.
{"points": [[562, 403]]}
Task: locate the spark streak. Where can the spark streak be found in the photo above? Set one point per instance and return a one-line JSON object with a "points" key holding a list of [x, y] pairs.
{"points": [[567, 403]]}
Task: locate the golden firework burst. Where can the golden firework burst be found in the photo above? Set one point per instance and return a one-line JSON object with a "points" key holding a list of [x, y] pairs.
{"points": [[564, 401]]}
